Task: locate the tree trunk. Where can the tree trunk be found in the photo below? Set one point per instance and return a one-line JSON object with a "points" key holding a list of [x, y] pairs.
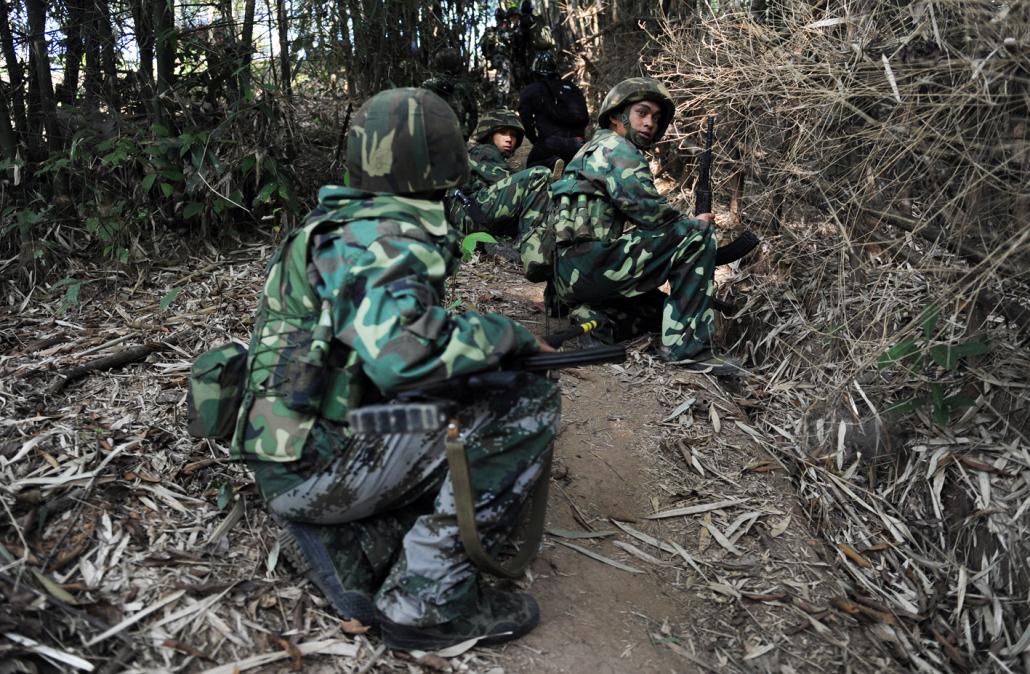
{"points": [[346, 48], [246, 48], [144, 25], [284, 48], [69, 87], [8, 139], [164, 39], [14, 73], [36, 12], [108, 61]]}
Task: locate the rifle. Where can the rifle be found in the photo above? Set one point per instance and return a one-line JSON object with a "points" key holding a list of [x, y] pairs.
{"points": [[740, 246], [432, 408]]}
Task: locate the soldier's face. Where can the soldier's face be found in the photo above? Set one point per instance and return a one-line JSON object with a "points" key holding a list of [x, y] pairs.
{"points": [[644, 117], [505, 140]]}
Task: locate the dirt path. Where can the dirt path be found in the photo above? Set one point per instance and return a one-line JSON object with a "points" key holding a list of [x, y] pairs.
{"points": [[758, 599]]}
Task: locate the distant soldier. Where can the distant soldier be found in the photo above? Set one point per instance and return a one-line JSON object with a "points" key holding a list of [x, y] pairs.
{"points": [[609, 272], [351, 314], [450, 84], [511, 46], [495, 199], [554, 113]]}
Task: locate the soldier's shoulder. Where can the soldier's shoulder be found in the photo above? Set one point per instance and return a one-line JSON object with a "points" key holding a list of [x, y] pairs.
{"points": [[485, 152]]}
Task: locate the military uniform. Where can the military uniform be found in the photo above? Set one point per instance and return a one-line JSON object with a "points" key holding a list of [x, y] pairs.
{"points": [[608, 272], [448, 84], [554, 113], [494, 199], [350, 314]]}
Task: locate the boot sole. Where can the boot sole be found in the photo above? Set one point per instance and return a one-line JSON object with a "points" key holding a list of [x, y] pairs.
{"points": [[408, 638]]}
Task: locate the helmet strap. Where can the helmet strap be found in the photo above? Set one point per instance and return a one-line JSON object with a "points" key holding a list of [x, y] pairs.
{"points": [[631, 134]]}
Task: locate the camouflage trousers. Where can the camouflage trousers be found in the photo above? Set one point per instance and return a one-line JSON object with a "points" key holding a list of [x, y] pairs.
{"points": [[386, 507], [510, 207], [616, 283]]}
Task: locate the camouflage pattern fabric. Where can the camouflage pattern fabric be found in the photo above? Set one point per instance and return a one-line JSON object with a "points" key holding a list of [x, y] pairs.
{"points": [[494, 121], [458, 94], [216, 390], [607, 187], [511, 204], [385, 506], [402, 141], [352, 306], [638, 89]]}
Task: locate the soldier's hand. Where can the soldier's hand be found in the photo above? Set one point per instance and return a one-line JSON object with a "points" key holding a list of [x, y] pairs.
{"points": [[707, 222], [544, 346], [707, 217]]}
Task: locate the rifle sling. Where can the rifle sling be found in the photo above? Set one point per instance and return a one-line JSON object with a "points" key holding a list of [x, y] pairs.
{"points": [[465, 508]]}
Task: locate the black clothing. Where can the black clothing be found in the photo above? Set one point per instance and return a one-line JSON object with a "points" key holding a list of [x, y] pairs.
{"points": [[554, 113]]}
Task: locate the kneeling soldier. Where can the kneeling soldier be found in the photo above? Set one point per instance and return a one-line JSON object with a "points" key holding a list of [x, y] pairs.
{"points": [[611, 275], [496, 200], [351, 313]]}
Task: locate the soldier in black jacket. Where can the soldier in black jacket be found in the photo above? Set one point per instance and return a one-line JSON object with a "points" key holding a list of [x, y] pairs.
{"points": [[554, 114]]}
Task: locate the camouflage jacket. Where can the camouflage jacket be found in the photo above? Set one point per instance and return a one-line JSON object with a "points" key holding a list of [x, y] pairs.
{"points": [[460, 97], [487, 165], [352, 309], [607, 185]]}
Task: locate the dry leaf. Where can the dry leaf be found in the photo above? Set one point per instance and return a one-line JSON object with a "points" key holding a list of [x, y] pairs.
{"points": [[853, 555], [353, 626], [779, 527], [704, 537], [714, 416]]}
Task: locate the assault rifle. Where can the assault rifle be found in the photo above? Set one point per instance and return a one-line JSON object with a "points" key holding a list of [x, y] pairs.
{"points": [[429, 409], [740, 246]]}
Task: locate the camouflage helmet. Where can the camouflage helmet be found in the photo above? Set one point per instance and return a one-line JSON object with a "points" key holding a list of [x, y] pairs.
{"points": [[545, 64], [494, 121], [406, 141], [638, 89], [448, 61]]}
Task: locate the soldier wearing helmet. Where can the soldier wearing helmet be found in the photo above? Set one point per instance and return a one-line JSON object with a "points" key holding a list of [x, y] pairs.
{"points": [[449, 83], [554, 112], [608, 272], [352, 313], [495, 199]]}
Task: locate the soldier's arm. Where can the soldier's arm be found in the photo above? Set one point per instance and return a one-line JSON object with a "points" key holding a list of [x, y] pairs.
{"points": [[526, 113], [631, 188], [487, 163], [386, 307]]}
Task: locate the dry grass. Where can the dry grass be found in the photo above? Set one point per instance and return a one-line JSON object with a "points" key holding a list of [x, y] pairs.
{"points": [[906, 128]]}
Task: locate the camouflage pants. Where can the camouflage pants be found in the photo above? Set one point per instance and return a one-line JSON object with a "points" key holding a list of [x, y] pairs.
{"points": [[616, 282], [510, 207], [387, 504]]}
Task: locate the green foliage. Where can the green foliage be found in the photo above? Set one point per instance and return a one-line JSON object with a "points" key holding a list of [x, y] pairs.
{"points": [[929, 367], [468, 244], [169, 297]]}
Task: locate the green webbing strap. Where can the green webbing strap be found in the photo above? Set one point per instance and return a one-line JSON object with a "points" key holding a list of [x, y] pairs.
{"points": [[465, 507]]}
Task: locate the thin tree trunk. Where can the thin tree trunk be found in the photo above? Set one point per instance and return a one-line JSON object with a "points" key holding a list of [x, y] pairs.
{"points": [[36, 12], [346, 47], [69, 87], [284, 47], [8, 139], [14, 73], [164, 38], [247, 48], [142, 19], [108, 61]]}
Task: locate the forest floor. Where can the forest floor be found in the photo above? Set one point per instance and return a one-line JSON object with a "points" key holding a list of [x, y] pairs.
{"points": [[162, 559]]}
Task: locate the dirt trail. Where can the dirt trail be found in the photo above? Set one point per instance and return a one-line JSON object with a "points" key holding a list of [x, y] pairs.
{"points": [[620, 457]]}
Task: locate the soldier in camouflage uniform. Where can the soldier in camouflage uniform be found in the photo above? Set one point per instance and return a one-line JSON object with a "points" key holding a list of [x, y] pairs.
{"points": [[350, 314], [448, 83], [611, 274], [494, 199]]}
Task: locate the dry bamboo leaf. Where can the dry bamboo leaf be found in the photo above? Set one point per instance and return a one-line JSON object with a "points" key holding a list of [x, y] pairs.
{"points": [[853, 555], [600, 558], [132, 620], [713, 415], [697, 509], [721, 539], [704, 536], [328, 647], [640, 554], [779, 527], [50, 652], [353, 626]]}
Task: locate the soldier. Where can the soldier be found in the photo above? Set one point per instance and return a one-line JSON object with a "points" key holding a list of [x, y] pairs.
{"points": [[351, 313], [612, 275], [449, 84], [554, 112], [495, 199]]}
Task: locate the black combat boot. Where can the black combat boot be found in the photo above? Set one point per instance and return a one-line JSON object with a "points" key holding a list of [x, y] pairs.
{"points": [[498, 617]]}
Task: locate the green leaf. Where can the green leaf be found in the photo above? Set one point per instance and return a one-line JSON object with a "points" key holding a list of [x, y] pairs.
{"points": [[224, 496], [160, 130], [898, 353], [167, 189], [266, 192], [948, 356], [247, 164], [928, 319], [169, 297], [468, 244], [907, 406], [173, 174], [71, 297], [148, 181], [453, 305], [958, 402], [192, 209]]}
